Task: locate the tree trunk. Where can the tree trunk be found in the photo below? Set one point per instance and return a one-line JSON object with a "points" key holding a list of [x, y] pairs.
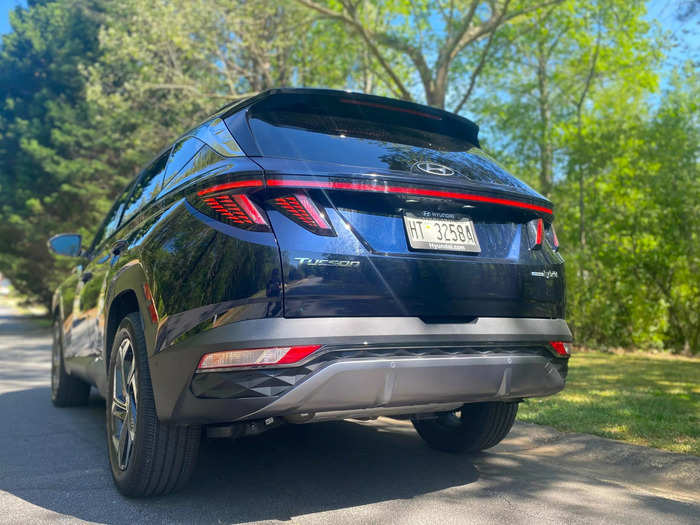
{"points": [[546, 148]]}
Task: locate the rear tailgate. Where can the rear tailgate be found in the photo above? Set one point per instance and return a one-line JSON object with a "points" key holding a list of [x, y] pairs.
{"points": [[368, 171]]}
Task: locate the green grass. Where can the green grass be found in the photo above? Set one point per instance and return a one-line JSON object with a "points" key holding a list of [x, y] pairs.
{"points": [[641, 398]]}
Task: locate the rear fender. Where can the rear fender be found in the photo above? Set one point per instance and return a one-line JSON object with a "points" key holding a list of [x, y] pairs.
{"points": [[129, 278]]}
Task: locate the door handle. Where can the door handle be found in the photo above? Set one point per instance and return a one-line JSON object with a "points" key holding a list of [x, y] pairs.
{"points": [[86, 276], [119, 246]]}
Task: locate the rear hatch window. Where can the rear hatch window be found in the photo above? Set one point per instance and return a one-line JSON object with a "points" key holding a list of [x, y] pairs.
{"points": [[377, 134]]}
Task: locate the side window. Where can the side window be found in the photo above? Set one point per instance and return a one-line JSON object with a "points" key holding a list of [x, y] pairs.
{"points": [[203, 159], [181, 154], [111, 221], [146, 188]]}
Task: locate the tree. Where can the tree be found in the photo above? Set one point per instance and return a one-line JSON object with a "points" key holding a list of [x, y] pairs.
{"points": [[155, 80], [640, 285], [566, 88], [46, 175], [412, 31], [545, 72]]}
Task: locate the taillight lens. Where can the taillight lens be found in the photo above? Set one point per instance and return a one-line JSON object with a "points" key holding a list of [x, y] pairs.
{"points": [[301, 209], [237, 209], [536, 233], [552, 239], [278, 355], [562, 349]]}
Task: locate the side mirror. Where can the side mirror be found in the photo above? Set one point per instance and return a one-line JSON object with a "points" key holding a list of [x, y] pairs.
{"points": [[67, 244]]}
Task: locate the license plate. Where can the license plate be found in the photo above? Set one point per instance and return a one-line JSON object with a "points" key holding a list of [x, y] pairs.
{"points": [[429, 233]]}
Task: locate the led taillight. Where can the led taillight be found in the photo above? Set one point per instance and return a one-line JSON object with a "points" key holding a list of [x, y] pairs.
{"points": [[237, 209], [300, 208], [536, 233], [403, 190], [277, 355], [552, 238], [562, 349]]}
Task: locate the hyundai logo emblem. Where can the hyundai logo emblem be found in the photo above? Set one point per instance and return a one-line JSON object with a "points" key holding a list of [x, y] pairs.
{"points": [[433, 168]]}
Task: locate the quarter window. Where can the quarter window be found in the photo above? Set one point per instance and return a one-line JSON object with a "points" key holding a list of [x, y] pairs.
{"points": [[203, 161], [109, 225], [146, 188], [181, 154]]}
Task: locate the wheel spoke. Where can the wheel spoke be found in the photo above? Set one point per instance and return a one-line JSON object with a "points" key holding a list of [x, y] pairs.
{"points": [[124, 446], [119, 409], [131, 381], [123, 349], [132, 372], [131, 421]]}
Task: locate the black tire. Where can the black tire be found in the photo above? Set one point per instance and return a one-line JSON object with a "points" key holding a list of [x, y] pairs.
{"points": [[477, 426], [162, 456], [66, 390]]}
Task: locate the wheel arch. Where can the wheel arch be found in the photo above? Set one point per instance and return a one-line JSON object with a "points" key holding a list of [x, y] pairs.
{"points": [[126, 294], [124, 304]]}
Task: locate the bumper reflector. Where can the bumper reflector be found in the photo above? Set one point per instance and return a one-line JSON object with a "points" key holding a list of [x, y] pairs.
{"points": [[562, 349], [278, 355]]}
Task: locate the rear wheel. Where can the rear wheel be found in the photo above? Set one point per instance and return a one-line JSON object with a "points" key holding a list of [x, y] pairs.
{"points": [[476, 426], [66, 391], [147, 457]]}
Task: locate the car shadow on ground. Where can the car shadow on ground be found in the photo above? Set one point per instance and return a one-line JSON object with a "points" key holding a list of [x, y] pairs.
{"points": [[56, 459], [51, 457]]}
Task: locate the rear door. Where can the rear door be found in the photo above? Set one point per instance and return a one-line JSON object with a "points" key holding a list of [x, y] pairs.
{"points": [[92, 284], [84, 343], [393, 210]]}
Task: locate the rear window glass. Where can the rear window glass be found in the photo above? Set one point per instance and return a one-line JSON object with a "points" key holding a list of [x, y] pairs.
{"points": [[372, 135]]}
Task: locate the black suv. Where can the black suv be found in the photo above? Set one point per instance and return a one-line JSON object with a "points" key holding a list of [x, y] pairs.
{"points": [[310, 255]]}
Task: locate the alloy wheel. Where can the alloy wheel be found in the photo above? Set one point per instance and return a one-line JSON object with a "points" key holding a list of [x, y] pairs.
{"points": [[124, 398]]}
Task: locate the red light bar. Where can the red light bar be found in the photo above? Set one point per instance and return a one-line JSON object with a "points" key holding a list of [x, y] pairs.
{"points": [[250, 209], [561, 348], [228, 208], [235, 208], [278, 355], [555, 239], [535, 233], [301, 208], [363, 186], [230, 186], [312, 210]]}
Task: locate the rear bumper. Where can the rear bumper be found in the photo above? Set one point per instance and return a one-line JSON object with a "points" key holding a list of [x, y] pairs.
{"points": [[412, 365]]}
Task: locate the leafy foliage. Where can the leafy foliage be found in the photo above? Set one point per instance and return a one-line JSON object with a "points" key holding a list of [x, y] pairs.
{"points": [[47, 160], [642, 398]]}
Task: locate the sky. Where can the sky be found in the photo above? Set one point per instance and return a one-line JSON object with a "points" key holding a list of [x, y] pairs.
{"points": [[5, 7], [687, 32]]}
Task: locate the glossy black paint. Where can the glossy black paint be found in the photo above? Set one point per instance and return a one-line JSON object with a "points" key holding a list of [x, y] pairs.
{"points": [[203, 273], [376, 273]]}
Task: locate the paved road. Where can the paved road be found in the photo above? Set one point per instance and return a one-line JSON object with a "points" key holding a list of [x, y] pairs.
{"points": [[53, 468]]}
